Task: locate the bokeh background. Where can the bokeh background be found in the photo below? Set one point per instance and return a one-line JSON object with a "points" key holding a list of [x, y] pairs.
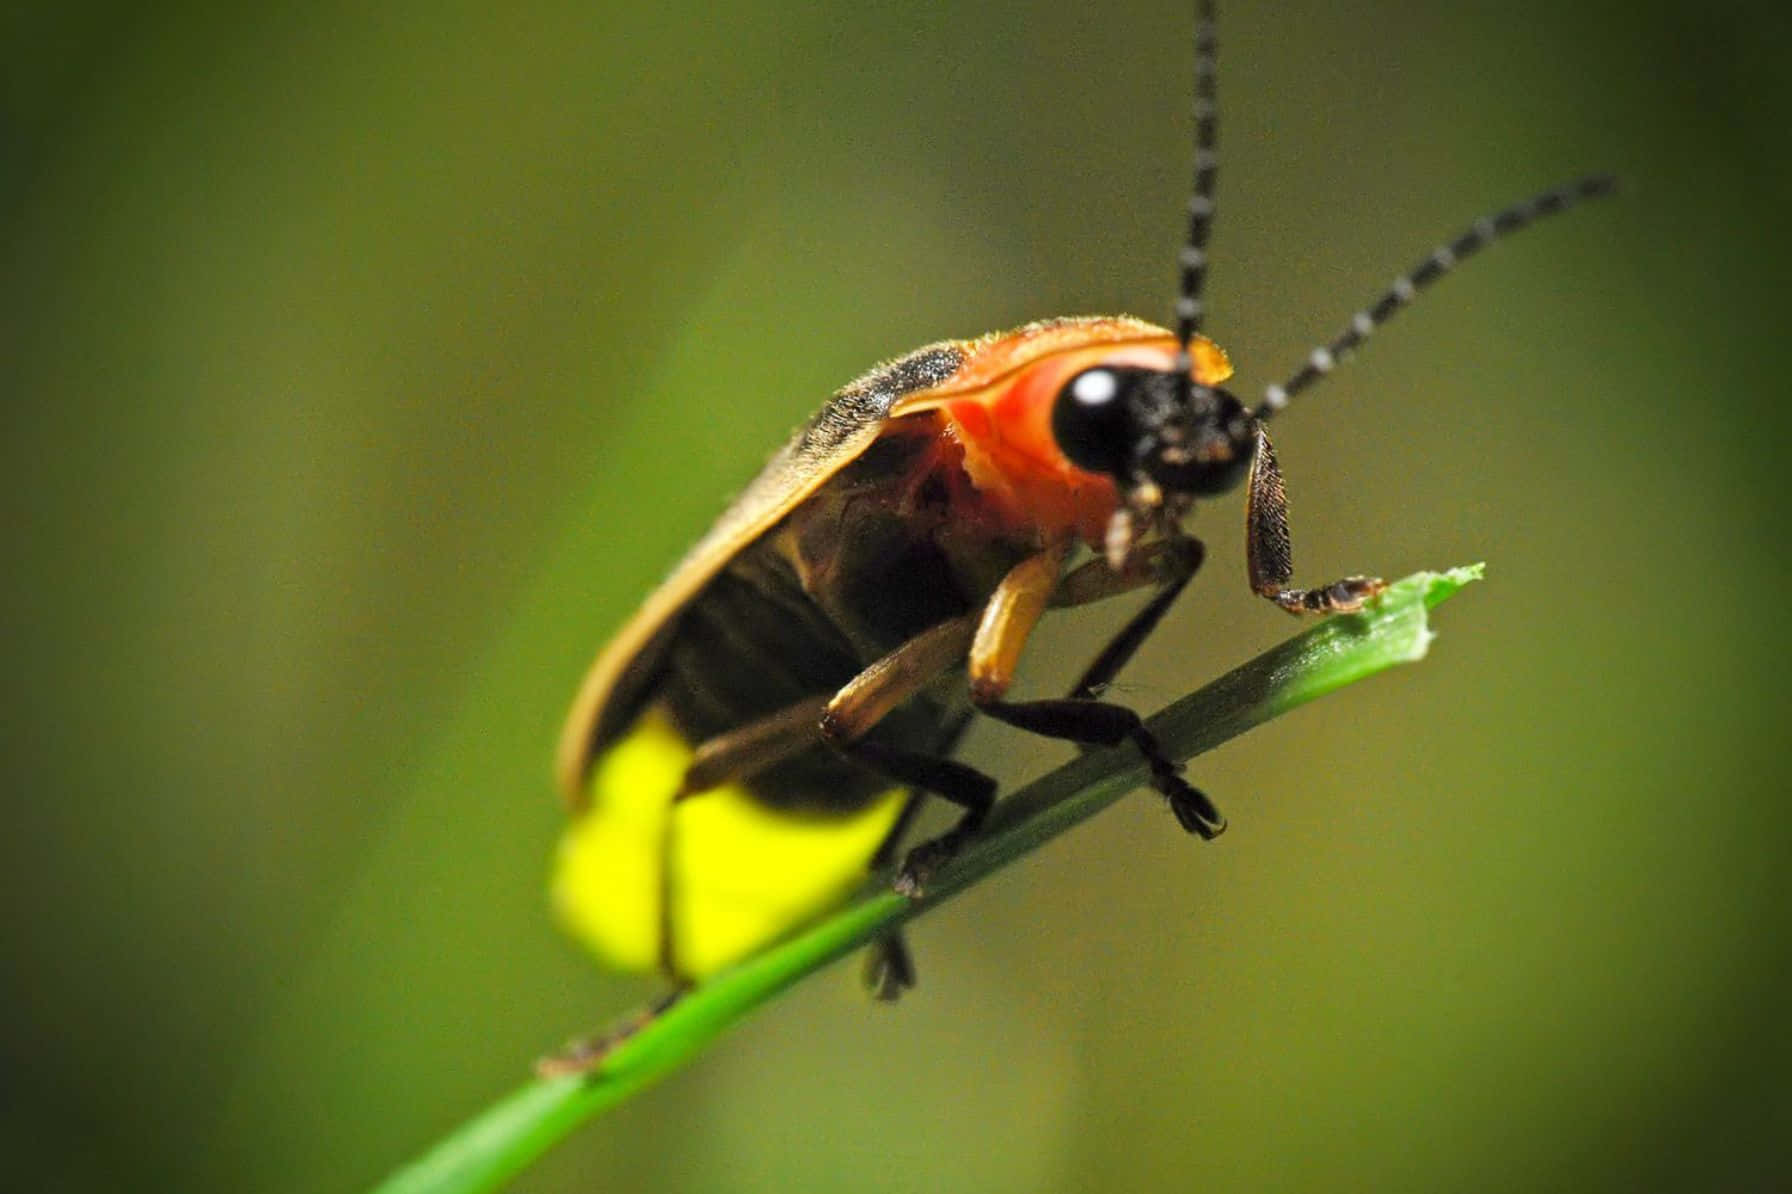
{"points": [[365, 364]]}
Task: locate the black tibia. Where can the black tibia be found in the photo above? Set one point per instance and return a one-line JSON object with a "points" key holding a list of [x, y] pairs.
{"points": [[1112, 724], [586, 1054], [1080, 718], [1181, 557], [1269, 551], [1096, 723], [964, 786], [886, 849], [889, 967]]}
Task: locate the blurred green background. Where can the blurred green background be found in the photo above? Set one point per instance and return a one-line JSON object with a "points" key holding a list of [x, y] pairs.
{"points": [[365, 365]]}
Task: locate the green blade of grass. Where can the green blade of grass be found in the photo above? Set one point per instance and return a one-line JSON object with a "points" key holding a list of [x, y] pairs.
{"points": [[498, 1143]]}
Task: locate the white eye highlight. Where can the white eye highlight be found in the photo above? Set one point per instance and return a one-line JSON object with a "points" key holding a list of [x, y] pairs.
{"points": [[1096, 387]]}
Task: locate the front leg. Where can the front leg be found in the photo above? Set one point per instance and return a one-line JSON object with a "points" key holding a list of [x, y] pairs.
{"points": [[1269, 551]]}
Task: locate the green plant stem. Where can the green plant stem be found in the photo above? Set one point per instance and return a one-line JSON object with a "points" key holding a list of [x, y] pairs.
{"points": [[504, 1139]]}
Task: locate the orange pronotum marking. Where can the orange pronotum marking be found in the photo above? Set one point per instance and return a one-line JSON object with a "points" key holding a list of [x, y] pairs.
{"points": [[1004, 428]]}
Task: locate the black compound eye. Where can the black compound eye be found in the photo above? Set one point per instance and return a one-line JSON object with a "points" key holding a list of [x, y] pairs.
{"points": [[1092, 423]]}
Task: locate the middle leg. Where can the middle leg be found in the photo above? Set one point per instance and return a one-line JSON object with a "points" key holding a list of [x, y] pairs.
{"points": [[1008, 621]]}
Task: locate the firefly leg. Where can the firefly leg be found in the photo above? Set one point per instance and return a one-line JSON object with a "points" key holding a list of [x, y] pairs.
{"points": [[1179, 560], [889, 966], [964, 786], [1163, 562], [1018, 602], [752, 748], [874, 692], [1269, 551], [742, 752], [840, 721], [886, 684], [1008, 620], [585, 1054]]}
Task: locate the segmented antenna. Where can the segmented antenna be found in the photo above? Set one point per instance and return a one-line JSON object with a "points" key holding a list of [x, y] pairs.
{"points": [[1444, 258], [1193, 258]]}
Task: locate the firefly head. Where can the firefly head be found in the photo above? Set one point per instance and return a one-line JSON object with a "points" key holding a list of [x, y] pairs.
{"points": [[1162, 437]]}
